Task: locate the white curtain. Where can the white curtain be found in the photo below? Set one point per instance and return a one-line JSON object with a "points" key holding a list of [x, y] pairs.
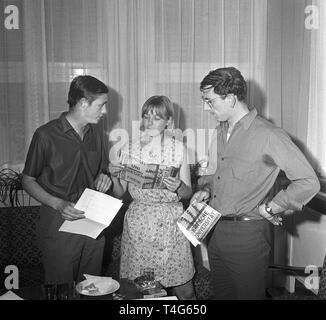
{"points": [[168, 46], [56, 40], [138, 47], [146, 47], [12, 129], [288, 56], [295, 74], [316, 138]]}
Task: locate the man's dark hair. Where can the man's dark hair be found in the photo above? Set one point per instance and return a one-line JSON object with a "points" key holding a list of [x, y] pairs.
{"points": [[226, 81], [85, 87]]}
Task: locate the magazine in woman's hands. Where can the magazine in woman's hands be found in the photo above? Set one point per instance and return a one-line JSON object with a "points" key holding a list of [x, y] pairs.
{"points": [[144, 175]]}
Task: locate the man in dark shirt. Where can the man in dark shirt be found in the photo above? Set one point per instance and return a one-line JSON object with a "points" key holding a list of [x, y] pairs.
{"points": [[66, 156], [246, 156]]}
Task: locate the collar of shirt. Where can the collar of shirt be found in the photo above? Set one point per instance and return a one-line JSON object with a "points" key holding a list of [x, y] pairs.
{"points": [[66, 126], [247, 120]]}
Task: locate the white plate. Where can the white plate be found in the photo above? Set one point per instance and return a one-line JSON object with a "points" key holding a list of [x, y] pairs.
{"points": [[105, 286]]}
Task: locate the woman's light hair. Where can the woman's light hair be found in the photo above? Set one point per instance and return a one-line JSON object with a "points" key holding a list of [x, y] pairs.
{"points": [[161, 105]]}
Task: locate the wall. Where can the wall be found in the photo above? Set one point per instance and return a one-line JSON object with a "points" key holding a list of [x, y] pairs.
{"points": [[301, 241], [308, 241]]}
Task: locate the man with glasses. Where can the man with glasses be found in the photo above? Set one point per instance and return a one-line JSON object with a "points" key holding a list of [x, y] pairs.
{"points": [[249, 153]]}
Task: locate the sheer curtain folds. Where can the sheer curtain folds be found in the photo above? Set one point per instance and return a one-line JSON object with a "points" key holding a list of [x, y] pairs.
{"points": [[316, 138], [146, 47]]}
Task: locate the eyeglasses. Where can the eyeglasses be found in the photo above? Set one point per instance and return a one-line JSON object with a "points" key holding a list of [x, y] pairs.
{"points": [[208, 102]]}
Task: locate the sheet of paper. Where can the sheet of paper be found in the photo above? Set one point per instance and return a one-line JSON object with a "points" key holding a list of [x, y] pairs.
{"points": [[10, 296], [160, 298], [91, 277], [85, 226], [99, 208]]}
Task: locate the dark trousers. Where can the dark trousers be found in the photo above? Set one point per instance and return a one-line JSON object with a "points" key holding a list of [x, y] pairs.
{"points": [[66, 256], [238, 255]]}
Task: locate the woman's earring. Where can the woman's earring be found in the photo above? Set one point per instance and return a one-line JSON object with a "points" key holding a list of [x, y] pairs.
{"points": [[170, 124]]}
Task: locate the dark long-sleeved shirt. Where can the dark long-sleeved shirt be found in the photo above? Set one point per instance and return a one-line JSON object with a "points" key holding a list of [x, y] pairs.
{"points": [[62, 163], [247, 165]]}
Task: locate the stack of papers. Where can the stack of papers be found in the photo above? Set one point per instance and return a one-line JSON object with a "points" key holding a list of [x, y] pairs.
{"points": [[160, 298], [99, 208], [97, 286], [96, 278]]}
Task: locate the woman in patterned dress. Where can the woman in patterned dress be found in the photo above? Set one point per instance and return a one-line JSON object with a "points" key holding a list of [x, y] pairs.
{"points": [[151, 237]]}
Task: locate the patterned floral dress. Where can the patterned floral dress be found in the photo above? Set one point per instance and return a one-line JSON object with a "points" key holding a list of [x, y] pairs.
{"points": [[151, 237]]}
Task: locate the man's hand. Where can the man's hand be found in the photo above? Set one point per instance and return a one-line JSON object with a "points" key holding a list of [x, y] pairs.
{"points": [[287, 212], [275, 219], [103, 183], [172, 183], [67, 210], [115, 168], [200, 196]]}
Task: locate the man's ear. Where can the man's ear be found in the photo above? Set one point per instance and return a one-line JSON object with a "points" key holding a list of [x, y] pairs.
{"points": [[83, 103], [232, 99]]}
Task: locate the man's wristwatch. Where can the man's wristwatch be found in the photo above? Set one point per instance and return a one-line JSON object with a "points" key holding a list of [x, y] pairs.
{"points": [[268, 209]]}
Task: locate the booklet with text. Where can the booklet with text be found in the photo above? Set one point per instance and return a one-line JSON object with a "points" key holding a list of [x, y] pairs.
{"points": [[144, 175], [197, 221], [99, 208]]}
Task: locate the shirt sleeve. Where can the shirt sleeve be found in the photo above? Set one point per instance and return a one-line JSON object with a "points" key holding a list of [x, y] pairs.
{"points": [[101, 148], [35, 159], [205, 182], [304, 182], [105, 158]]}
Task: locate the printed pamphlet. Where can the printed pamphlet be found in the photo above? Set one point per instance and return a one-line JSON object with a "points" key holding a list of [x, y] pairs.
{"points": [[197, 221]]}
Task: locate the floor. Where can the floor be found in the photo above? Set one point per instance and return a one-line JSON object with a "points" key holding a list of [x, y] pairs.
{"points": [[301, 293]]}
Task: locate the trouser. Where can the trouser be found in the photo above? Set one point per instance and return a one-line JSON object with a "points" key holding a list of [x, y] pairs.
{"points": [[238, 253], [66, 256], [322, 282]]}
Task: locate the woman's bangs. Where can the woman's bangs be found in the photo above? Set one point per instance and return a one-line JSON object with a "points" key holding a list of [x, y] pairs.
{"points": [[159, 110]]}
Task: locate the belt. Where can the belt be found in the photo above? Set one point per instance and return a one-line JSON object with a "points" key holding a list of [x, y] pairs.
{"points": [[237, 218]]}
